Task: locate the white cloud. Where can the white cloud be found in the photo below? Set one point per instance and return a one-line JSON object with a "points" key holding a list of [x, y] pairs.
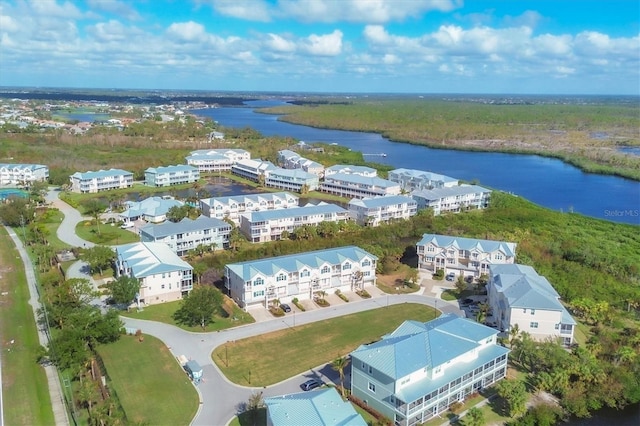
{"points": [[116, 7], [529, 18], [324, 45], [250, 10], [278, 43], [187, 32], [361, 11]]}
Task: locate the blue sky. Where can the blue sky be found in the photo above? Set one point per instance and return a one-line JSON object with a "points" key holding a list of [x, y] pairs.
{"points": [[396, 46]]}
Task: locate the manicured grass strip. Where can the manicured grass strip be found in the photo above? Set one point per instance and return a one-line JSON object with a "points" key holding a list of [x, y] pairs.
{"points": [[163, 312], [108, 235], [24, 383], [258, 361], [152, 393]]}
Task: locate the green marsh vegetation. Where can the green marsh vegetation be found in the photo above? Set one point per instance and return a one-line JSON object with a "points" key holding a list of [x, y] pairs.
{"points": [[564, 131]]}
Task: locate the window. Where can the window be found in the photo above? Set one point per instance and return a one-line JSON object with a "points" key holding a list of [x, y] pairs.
{"points": [[305, 273], [258, 281], [498, 256], [533, 311], [366, 262], [258, 293], [325, 270], [372, 387], [281, 277], [431, 249], [533, 325], [162, 286], [347, 265], [557, 326], [163, 275], [370, 370]]}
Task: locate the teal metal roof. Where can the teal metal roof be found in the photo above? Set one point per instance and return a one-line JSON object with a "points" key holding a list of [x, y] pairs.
{"points": [[461, 243], [452, 191], [100, 174], [147, 259], [171, 169], [522, 287], [152, 206], [382, 201], [414, 346], [185, 225], [295, 262], [323, 407], [250, 198], [422, 175], [361, 180], [307, 210], [350, 169]]}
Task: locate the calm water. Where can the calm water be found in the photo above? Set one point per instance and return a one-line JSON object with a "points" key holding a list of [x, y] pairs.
{"points": [[630, 416], [548, 182]]}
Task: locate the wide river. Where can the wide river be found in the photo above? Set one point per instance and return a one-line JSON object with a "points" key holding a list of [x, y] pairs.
{"points": [[545, 181]]}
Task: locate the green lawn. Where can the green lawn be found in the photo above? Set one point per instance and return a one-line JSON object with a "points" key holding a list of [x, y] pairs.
{"points": [[151, 386], [453, 294], [106, 235], [163, 312], [257, 361], [25, 389], [51, 225]]}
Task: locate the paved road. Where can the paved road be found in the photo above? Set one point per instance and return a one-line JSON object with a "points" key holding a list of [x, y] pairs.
{"points": [[55, 391], [67, 229], [220, 398]]}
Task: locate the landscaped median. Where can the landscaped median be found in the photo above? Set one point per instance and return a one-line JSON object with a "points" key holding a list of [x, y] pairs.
{"points": [[257, 361]]}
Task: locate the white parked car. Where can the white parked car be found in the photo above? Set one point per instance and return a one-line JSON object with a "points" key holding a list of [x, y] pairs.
{"points": [[127, 225]]}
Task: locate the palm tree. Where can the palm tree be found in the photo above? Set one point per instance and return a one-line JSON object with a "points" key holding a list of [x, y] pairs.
{"points": [[339, 364], [514, 334]]}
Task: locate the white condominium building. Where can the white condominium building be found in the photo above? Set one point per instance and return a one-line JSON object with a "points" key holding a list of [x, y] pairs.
{"points": [[188, 234], [269, 225], [20, 174], [163, 276], [462, 256], [231, 207], [377, 210], [300, 275], [358, 186], [453, 199], [101, 180], [216, 160], [171, 175], [412, 180]]}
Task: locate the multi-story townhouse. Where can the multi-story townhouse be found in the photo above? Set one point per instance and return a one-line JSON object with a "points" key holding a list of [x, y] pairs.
{"points": [[216, 160], [255, 170], [21, 174], [377, 210], [152, 209], [299, 275], [292, 180], [171, 175], [292, 160], [358, 186], [518, 295], [319, 407], [101, 180], [420, 369], [462, 256], [231, 207], [412, 180], [163, 276], [452, 199], [269, 225], [188, 234], [348, 169]]}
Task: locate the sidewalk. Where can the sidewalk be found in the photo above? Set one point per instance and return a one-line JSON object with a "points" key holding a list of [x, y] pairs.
{"points": [[55, 391]]}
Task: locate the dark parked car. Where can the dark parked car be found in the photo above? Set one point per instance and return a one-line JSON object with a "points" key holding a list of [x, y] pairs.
{"points": [[467, 301], [285, 307], [311, 384], [450, 276], [469, 279]]}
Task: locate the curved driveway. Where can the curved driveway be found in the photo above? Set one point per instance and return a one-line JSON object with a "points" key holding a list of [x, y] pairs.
{"points": [[67, 229], [221, 399]]}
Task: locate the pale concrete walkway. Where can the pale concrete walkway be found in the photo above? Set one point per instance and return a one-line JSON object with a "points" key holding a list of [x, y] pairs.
{"points": [[55, 390], [67, 229]]}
